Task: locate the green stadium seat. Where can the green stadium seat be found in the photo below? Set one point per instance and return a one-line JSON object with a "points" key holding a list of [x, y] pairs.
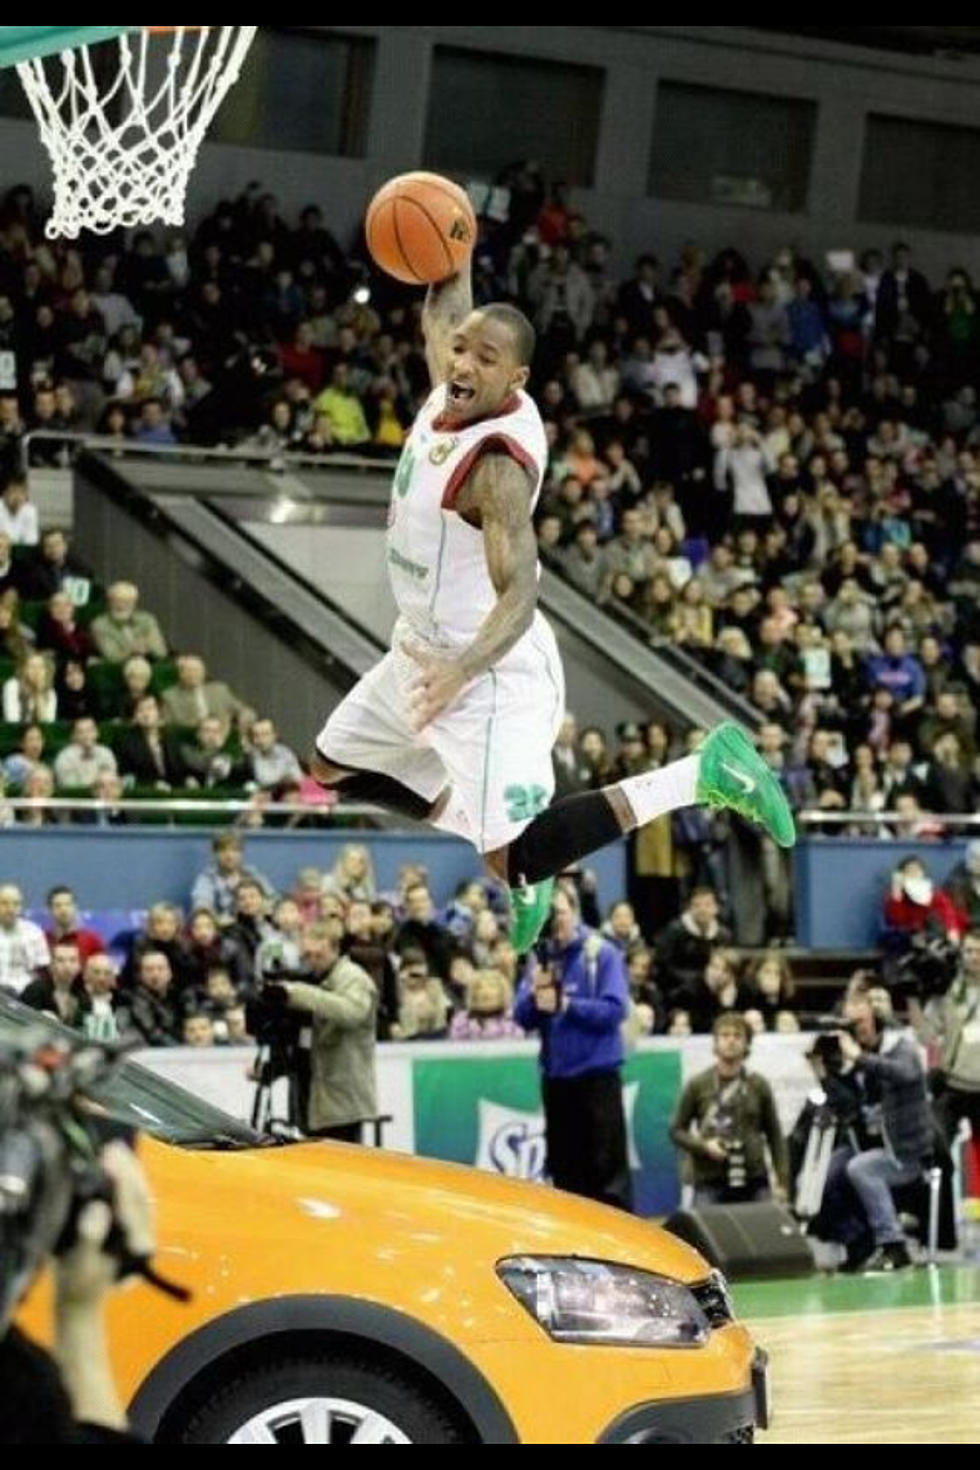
{"points": [[106, 683], [30, 614], [95, 605], [164, 674], [10, 734], [56, 736]]}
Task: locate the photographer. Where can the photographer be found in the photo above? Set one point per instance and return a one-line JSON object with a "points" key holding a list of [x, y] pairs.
{"points": [[92, 1212], [733, 1113], [890, 1143], [951, 1022], [341, 999], [576, 994]]}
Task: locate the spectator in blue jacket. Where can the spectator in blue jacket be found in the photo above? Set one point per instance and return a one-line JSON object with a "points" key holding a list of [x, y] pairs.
{"points": [[576, 996], [900, 672], [216, 886]]}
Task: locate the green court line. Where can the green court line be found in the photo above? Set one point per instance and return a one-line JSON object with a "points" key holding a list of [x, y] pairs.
{"points": [[926, 1286]]}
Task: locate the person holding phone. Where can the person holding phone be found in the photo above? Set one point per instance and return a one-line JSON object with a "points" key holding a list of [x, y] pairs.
{"points": [[575, 993]]}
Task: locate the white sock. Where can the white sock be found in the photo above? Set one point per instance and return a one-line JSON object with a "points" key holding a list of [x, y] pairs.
{"points": [[654, 792]]}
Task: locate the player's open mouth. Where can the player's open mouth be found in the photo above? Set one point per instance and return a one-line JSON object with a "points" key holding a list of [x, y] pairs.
{"points": [[460, 395]]}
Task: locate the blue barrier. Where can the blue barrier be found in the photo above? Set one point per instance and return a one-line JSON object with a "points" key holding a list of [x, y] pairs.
{"points": [[127, 867], [841, 884]]}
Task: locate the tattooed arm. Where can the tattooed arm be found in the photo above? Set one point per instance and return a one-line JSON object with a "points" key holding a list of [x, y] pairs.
{"points": [[496, 498], [446, 305]]}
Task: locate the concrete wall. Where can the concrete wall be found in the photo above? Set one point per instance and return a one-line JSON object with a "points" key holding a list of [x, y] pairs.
{"points": [[346, 563], [845, 83]]}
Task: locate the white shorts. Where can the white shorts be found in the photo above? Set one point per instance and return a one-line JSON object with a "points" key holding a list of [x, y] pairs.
{"points": [[492, 748]]}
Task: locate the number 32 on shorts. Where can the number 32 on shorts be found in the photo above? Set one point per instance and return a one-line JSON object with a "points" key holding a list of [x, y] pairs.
{"points": [[524, 802]]}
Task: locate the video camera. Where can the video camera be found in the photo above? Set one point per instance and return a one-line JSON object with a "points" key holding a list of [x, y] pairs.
{"points": [[268, 1017], [826, 1046], [927, 969], [50, 1146]]}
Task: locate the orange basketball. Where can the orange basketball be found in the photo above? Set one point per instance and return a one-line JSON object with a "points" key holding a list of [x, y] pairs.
{"points": [[420, 228]]}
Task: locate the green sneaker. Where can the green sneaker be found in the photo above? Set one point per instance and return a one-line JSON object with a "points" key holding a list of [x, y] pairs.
{"points": [[734, 775], [531, 905]]}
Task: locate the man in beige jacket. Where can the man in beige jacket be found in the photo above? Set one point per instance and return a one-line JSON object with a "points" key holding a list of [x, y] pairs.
{"points": [[195, 697], [124, 629], [342, 1000]]}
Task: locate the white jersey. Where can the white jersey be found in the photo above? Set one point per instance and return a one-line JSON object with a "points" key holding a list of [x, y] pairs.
{"points": [[489, 753], [436, 561]]}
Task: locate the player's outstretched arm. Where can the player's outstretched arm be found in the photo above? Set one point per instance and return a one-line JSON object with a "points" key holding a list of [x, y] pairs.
{"points": [[497, 498], [446, 305]]}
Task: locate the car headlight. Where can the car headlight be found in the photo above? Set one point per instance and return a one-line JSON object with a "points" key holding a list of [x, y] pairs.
{"points": [[595, 1302]]}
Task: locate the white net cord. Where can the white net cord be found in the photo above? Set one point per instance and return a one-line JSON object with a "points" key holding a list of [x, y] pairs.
{"points": [[122, 151]]}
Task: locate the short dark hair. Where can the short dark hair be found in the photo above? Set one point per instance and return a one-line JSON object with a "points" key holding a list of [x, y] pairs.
{"points": [[59, 888], [525, 337]]}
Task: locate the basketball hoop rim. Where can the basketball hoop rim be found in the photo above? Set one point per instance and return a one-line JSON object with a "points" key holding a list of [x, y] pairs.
{"points": [[27, 43]]}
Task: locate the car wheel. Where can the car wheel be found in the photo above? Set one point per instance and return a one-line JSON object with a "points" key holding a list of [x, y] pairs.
{"points": [[327, 1399]]}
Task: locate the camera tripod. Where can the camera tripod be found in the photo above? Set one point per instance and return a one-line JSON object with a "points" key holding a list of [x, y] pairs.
{"points": [[271, 1063]]}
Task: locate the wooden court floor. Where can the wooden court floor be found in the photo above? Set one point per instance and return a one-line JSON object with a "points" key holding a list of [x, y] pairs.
{"points": [[879, 1360]]}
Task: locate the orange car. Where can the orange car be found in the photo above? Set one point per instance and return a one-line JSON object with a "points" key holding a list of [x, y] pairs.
{"points": [[344, 1295]]}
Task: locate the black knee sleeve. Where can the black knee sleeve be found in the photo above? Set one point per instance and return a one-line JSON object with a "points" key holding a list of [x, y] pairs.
{"points": [[383, 791], [563, 833]]}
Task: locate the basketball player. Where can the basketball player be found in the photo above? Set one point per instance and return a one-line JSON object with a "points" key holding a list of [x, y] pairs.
{"points": [[455, 725]]}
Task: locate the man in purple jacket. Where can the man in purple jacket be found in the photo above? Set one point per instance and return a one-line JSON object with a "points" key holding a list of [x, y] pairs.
{"points": [[576, 995]]}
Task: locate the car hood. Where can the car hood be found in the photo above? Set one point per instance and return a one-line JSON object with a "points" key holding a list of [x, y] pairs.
{"points": [[386, 1204]]}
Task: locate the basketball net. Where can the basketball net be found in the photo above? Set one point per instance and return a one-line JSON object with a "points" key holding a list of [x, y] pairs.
{"points": [[123, 151]]}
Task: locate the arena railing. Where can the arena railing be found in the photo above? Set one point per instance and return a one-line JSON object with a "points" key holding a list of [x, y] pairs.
{"points": [[273, 459], [240, 810], [923, 826], [933, 823]]}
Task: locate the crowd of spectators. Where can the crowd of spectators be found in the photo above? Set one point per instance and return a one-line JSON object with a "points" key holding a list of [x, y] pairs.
{"points": [[438, 971], [186, 974], [448, 971], [775, 467], [778, 471], [95, 704]]}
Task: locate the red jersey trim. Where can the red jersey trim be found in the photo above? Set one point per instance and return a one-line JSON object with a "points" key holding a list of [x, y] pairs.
{"points": [[492, 444]]}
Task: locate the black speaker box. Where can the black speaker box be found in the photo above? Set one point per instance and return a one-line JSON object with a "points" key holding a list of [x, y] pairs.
{"points": [[746, 1241]]}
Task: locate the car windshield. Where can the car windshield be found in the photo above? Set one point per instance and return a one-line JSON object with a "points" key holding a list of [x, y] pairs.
{"points": [[141, 1099]]}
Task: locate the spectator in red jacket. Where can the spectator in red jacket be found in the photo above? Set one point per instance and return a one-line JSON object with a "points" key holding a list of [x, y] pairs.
{"points": [[916, 906]]}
